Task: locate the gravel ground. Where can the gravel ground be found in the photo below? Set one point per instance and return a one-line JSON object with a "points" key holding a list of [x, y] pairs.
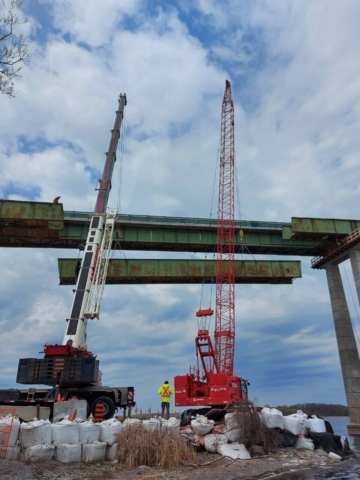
{"points": [[299, 464]]}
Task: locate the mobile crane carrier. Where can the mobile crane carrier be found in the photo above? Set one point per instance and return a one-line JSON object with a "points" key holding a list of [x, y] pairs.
{"points": [[69, 368], [213, 382]]}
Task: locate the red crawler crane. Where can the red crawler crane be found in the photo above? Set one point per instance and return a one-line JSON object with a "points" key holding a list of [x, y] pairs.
{"points": [[215, 384]]}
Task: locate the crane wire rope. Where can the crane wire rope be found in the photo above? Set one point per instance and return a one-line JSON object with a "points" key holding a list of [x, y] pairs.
{"points": [[205, 320], [119, 189], [244, 248], [354, 304]]}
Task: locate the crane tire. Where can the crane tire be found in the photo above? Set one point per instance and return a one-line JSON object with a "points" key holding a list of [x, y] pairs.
{"points": [[109, 407]]}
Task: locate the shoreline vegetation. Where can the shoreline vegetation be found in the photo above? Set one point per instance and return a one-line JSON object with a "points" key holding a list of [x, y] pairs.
{"points": [[318, 409]]}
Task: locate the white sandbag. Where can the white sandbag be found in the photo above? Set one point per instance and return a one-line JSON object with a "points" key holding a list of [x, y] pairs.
{"points": [[42, 452], [89, 432], [12, 452], [173, 425], [335, 457], [304, 442], [13, 423], [315, 424], [68, 453], [213, 440], [202, 425], [231, 420], [294, 424], [109, 431], [272, 418], [301, 414], [152, 424], [65, 432], [35, 433], [234, 450], [93, 452], [130, 422], [233, 434], [187, 434], [111, 451]]}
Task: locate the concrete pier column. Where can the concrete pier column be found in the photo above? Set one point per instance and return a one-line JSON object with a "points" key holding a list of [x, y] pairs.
{"points": [[355, 265], [348, 353]]}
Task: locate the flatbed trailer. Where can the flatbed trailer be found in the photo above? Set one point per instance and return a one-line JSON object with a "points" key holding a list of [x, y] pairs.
{"points": [[113, 398]]}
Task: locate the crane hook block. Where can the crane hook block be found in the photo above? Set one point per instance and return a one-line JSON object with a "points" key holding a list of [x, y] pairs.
{"points": [[204, 313]]}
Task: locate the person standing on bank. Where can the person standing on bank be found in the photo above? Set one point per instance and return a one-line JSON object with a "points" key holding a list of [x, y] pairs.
{"points": [[165, 391]]}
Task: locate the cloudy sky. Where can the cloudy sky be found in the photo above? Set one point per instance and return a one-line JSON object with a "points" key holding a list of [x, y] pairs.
{"points": [[294, 69]]}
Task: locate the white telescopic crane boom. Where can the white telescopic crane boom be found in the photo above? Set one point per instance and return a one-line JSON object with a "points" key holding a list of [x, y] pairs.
{"points": [[92, 274]]}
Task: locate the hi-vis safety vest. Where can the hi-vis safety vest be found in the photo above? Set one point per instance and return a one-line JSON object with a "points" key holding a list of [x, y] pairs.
{"points": [[165, 391]]}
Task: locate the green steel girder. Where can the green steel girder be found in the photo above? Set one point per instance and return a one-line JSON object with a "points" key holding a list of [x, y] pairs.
{"points": [[321, 228], [140, 271], [156, 237], [46, 225], [30, 219]]}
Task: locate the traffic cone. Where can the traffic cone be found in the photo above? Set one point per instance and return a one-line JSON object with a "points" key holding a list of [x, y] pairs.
{"points": [[59, 398], [99, 413], [73, 415]]}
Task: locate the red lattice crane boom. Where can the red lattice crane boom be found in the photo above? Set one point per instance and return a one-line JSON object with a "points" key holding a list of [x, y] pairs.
{"points": [[215, 384], [225, 264]]}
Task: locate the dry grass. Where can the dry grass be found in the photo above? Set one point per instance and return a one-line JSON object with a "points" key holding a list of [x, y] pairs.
{"points": [[253, 431], [160, 448]]}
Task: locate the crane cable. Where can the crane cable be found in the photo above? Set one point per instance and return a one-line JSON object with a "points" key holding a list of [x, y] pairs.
{"points": [[210, 222], [117, 244], [244, 248]]}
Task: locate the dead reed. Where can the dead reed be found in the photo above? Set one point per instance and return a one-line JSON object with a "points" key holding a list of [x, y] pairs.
{"points": [[158, 448], [252, 429]]}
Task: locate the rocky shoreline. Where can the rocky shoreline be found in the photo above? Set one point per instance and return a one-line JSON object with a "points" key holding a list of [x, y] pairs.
{"points": [[300, 464]]}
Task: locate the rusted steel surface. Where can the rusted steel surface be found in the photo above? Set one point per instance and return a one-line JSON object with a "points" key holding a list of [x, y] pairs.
{"points": [[321, 228], [337, 252], [186, 271], [31, 215]]}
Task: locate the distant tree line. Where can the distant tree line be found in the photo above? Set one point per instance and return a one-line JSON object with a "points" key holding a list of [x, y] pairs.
{"points": [[318, 409]]}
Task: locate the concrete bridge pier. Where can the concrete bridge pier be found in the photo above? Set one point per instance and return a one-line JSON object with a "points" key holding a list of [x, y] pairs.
{"points": [[348, 353], [355, 265]]}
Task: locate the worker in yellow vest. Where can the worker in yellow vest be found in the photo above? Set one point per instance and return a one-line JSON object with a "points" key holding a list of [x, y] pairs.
{"points": [[165, 391]]}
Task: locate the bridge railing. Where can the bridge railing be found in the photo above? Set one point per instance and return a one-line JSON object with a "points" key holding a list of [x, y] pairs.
{"points": [[179, 220]]}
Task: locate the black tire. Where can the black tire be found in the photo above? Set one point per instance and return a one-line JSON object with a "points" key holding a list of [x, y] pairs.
{"points": [[109, 407]]}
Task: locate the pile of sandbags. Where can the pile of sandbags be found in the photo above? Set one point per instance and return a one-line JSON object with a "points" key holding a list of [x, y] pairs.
{"points": [[109, 433], [67, 441], [301, 431], [65, 435], [35, 440], [222, 439]]}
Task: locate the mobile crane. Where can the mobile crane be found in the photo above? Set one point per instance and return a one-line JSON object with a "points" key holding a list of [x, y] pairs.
{"points": [[70, 368], [213, 382]]}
